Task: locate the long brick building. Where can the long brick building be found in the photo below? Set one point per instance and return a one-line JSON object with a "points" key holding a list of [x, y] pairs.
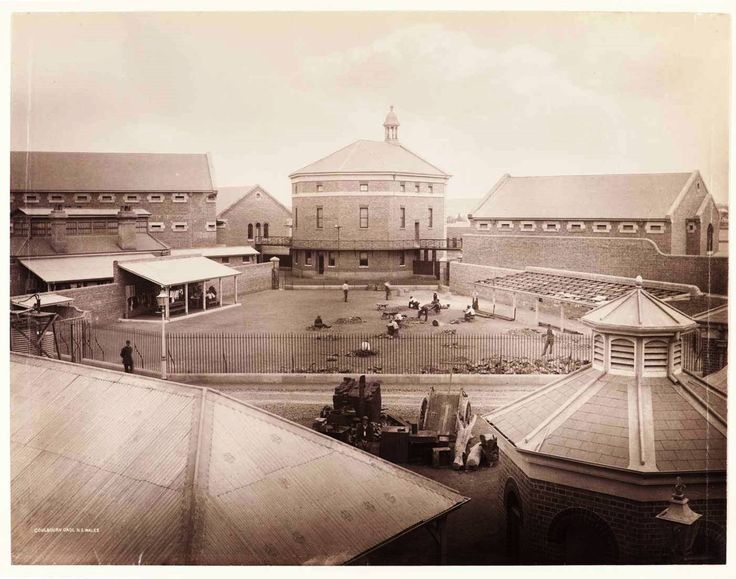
{"points": [[365, 210], [176, 190], [673, 210]]}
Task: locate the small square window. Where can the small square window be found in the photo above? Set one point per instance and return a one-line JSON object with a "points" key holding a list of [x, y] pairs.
{"points": [[225, 260], [82, 198], [627, 228], [364, 186], [106, 198], [575, 226], [692, 228], [483, 225], [180, 197], [156, 226], [655, 228], [56, 198], [363, 259], [211, 198], [211, 226], [130, 198], [156, 198], [527, 226], [550, 226], [402, 187], [30, 198], [319, 188], [505, 225], [601, 227]]}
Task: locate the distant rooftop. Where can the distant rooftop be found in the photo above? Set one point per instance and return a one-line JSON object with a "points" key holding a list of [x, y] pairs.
{"points": [[175, 474], [109, 172], [639, 196]]}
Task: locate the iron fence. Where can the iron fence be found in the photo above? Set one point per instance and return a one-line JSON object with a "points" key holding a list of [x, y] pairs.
{"points": [[692, 352], [327, 352]]}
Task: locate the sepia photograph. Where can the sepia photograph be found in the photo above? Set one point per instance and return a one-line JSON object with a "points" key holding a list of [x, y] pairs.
{"points": [[412, 286]]}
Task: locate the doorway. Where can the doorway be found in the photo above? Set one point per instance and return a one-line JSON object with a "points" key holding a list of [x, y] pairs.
{"points": [[321, 264]]}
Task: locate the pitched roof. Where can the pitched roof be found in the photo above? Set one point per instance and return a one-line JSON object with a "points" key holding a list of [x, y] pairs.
{"points": [[585, 417], [217, 251], [175, 474], [145, 172], [639, 196], [168, 272], [227, 197], [372, 157], [638, 311]]}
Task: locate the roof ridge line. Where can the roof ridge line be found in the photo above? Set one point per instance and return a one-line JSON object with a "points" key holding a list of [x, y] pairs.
{"points": [[236, 201], [408, 150], [191, 486], [300, 169]]}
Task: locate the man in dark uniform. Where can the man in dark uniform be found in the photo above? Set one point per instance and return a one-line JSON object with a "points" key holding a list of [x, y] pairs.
{"points": [[127, 355], [363, 434], [549, 340]]}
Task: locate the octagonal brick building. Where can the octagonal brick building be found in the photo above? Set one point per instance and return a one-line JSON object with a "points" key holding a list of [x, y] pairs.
{"points": [[368, 211]]}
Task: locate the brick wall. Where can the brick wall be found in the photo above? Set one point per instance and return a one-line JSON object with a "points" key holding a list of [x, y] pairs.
{"points": [[639, 537], [662, 240], [255, 278], [619, 257], [105, 303], [347, 264], [256, 207]]}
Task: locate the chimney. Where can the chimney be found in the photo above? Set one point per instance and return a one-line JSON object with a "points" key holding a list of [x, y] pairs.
{"points": [[127, 228], [58, 219]]}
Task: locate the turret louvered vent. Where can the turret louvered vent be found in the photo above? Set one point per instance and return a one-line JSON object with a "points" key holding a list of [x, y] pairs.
{"points": [[623, 355], [677, 356], [656, 353], [598, 352]]}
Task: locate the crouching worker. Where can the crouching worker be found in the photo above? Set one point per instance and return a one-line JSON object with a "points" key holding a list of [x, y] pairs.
{"points": [[413, 304], [423, 311], [469, 314], [365, 350], [319, 324], [393, 329]]}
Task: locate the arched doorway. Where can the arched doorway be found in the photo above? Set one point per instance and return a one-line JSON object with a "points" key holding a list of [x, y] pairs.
{"points": [[581, 537], [709, 239], [514, 519]]}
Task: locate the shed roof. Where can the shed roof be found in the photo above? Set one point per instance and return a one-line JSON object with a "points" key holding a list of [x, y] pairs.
{"points": [[108, 172], [174, 474], [80, 244], [216, 251], [168, 272], [372, 157], [68, 268], [47, 299], [639, 196]]}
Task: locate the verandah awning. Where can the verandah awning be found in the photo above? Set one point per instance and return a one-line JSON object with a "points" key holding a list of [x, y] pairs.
{"points": [[168, 272]]}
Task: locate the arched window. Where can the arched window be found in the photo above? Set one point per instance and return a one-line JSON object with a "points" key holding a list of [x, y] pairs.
{"points": [[709, 242], [581, 537], [265, 230], [258, 229], [250, 231]]}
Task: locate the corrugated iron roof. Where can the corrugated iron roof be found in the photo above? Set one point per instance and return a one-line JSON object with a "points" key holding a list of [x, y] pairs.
{"points": [[626, 196], [372, 157], [109, 172], [173, 474], [217, 251], [168, 272], [47, 299], [77, 268]]}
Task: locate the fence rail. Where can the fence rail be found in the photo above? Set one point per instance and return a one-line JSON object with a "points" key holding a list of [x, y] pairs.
{"points": [[197, 353]]}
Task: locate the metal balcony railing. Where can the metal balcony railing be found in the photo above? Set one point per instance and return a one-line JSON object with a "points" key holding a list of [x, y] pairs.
{"points": [[444, 244]]}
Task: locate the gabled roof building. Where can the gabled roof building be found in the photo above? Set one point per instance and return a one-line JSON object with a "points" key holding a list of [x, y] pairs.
{"points": [[674, 210], [590, 459]]}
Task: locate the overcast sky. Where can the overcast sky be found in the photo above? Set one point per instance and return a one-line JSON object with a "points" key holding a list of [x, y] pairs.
{"points": [[477, 94]]}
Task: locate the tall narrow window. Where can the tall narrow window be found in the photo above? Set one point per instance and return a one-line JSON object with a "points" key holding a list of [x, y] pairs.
{"points": [[402, 187], [402, 213], [402, 258], [250, 231], [430, 217], [319, 218], [417, 188], [430, 188], [363, 259], [296, 217], [363, 217], [258, 229], [265, 230], [709, 240]]}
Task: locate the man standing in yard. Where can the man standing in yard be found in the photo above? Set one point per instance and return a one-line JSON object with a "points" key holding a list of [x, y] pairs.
{"points": [[549, 340], [345, 288], [387, 288], [127, 355], [475, 299]]}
